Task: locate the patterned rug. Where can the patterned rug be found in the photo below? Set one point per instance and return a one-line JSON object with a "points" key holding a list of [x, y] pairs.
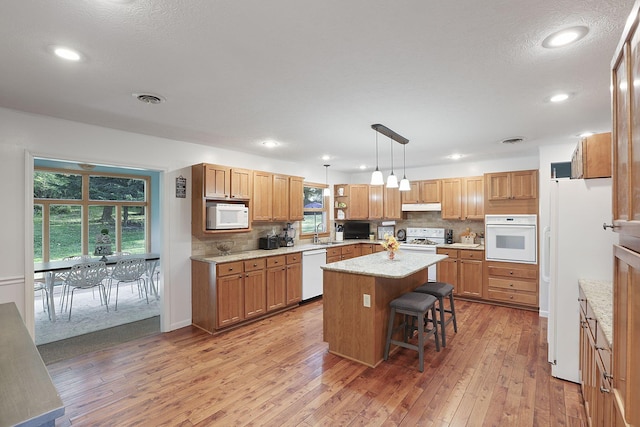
{"points": [[88, 315]]}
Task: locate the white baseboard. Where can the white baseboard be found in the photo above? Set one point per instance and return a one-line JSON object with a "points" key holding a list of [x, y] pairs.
{"points": [[544, 313]]}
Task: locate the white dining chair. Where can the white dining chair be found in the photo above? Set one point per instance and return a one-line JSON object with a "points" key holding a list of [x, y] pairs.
{"points": [[128, 270], [87, 275]]}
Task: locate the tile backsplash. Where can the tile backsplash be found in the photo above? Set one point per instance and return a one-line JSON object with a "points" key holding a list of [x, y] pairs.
{"points": [[242, 241]]}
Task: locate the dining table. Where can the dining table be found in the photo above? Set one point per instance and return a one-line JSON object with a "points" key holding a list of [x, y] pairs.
{"points": [[52, 268]]}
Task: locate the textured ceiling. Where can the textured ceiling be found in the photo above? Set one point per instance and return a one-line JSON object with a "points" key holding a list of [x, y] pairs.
{"points": [[451, 76]]}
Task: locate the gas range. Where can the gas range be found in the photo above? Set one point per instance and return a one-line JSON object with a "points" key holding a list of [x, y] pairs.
{"points": [[424, 238]]}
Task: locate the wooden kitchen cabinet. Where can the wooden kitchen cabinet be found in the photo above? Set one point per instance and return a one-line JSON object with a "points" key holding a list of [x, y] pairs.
{"points": [[452, 198], [354, 201], [229, 293], [273, 195], [464, 269], [592, 157], [276, 282], [280, 197], [241, 183], [334, 254], [511, 192], [473, 197], [262, 201], [392, 208], [512, 283], [255, 288], [294, 278], [425, 191], [376, 201], [296, 198], [217, 181]]}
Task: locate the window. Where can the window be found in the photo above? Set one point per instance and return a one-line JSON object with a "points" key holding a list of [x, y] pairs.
{"points": [[71, 209], [316, 210]]}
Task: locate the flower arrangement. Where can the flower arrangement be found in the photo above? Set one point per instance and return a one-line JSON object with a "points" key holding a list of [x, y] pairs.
{"points": [[390, 244]]}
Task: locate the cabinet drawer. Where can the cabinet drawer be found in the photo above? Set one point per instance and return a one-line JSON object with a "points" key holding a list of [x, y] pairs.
{"points": [[514, 297], [347, 250], [294, 258], [467, 254], [334, 258], [228, 268], [276, 261], [254, 264], [604, 351], [452, 253], [512, 272], [333, 252], [519, 285], [582, 300]]}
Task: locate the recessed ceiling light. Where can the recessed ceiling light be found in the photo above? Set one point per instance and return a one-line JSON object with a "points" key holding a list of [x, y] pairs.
{"points": [[326, 157], [565, 37], [455, 156], [560, 97], [67, 53], [270, 143]]}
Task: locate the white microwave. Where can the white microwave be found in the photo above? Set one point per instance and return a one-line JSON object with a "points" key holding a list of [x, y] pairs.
{"points": [[227, 216]]}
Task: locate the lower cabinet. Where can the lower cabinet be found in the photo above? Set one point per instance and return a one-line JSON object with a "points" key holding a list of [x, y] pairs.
{"points": [[255, 288], [229, 294], [276, 282], [464, 269], [512, 283], [339, 253], [294, 279]]}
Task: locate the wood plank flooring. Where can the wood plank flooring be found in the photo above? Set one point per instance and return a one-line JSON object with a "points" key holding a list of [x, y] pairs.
{"points": [[276, 372]]}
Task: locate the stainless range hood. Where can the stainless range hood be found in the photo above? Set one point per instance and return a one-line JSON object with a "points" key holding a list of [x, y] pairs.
{"points": [[421, 207]]}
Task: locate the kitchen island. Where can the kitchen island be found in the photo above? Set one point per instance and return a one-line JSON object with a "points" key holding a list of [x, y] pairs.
{"points": [[356, 298]]}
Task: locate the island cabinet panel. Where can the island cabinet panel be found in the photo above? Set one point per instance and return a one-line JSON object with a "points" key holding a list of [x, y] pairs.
{"points": [[352, 330], [276, 282]]}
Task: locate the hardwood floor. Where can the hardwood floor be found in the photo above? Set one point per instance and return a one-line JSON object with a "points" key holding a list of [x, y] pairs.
{"points": [[493, 372]]}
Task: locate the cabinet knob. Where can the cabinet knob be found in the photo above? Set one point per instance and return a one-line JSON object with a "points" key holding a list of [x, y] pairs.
{"points": [[601, 348], [511, 272], [511, 296], [607, 376], [604, 390], [230, 269], [511, 284], [255, 265], [582, 299]]}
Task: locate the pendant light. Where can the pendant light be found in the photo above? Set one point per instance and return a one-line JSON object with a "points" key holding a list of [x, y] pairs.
{"points": [[404, 182], [376, 176], [326, 191], [392, 180]]}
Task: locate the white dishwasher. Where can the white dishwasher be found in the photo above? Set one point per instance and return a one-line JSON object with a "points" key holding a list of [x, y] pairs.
{"points": [[312, 273]]}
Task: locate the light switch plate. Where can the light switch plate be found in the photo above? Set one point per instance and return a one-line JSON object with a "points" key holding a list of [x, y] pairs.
{"points": [[366, 300]]}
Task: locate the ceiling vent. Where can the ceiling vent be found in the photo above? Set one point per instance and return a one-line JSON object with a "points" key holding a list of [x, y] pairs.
{"points": [[148, 98], [514, 140]]}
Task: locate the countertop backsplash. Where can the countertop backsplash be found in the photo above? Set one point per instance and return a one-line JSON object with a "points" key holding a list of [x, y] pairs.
{"points": [[242, 241]]}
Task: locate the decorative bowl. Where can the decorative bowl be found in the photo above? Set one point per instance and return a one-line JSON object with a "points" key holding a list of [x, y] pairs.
{"points": [[225, 246]]}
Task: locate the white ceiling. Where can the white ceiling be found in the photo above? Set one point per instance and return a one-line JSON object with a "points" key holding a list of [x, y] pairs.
{"points": [[449, 75]]}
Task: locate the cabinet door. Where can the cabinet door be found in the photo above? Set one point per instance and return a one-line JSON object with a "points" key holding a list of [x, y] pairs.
{"points": [[280, 198], [241, 183], [447, 271], [392, 205], [296, 198], [376, 204], [366, 249], [473, 198], [276, 288], [470, 278], [430, 191], [262, 200], [294, 283], [358, 205], [230, 300], [498, 186], [255, 294], [217, 181], [452, 198], [524, 184], [413, 195]]}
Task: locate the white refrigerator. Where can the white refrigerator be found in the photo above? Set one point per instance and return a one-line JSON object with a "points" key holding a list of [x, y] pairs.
{"points": [[576, 247]]}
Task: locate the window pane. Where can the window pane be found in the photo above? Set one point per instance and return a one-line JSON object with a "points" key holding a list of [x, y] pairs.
{"points": [[314, 222], [313, 198], [65, 231], [100, 218], [116, 189], [133, 229], [52, 185], [37, 233]]}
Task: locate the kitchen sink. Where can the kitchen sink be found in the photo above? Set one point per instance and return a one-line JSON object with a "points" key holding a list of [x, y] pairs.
{"points": [[329, 243]]}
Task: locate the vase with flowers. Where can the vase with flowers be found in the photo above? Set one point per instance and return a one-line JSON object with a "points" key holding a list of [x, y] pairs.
{"points": [[391, 245]]}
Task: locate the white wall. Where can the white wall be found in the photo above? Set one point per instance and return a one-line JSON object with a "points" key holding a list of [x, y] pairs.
{"points": [[548, 154], [23, 136]]}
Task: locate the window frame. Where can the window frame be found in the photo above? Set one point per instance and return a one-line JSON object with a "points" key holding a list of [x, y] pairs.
{"points": [[326, 203], [85, 203]]}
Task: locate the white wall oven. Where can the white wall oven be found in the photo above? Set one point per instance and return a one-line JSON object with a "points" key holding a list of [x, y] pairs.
{"points": [[511, 238]]}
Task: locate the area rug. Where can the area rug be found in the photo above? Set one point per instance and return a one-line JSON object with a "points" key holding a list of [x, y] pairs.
{"points": [[88, 315]]}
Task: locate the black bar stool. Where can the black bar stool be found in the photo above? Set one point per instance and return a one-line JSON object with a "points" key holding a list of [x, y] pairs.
{"points": [[440, 290], [416, 305]]}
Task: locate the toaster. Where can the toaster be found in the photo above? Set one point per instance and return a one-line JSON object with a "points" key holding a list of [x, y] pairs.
{"points": [[269, 242]]}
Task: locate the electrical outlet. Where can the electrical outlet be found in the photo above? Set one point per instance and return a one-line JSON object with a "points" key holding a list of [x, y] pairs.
{"points": [[366, 300]]}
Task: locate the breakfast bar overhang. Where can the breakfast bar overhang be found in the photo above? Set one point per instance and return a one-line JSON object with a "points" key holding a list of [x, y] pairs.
{"points": [[356, 298]]}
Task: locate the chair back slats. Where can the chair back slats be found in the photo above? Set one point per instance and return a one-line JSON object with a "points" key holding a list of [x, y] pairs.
{"points": [[87, 274], [129, 270]]}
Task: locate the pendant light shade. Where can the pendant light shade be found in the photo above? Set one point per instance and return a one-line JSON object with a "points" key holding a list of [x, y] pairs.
{"points": [[376, 176], [405, 185], [326, 191], [392, 180]]}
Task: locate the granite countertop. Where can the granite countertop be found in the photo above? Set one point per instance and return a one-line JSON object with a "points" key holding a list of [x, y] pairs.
{"points": [[599, 295], [379, 265]]}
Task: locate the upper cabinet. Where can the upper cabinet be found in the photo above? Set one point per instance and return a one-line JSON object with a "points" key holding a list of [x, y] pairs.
{"points": [[376, 201], [592, 157], [263, 196], [296, 198], [463, 198], [363, 201], [392, 204], [277, 197], [428, 191], [452, 198], [241, 183], [511, 192]]}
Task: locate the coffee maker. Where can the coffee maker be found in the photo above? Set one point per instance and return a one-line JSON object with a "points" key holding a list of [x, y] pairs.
{"points": [[448, 236], [288, 236]]}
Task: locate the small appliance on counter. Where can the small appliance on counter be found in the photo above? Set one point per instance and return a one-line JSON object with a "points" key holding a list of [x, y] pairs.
{"points": [[448, 236], [269, 242], [287, 238], [339, 233]]}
